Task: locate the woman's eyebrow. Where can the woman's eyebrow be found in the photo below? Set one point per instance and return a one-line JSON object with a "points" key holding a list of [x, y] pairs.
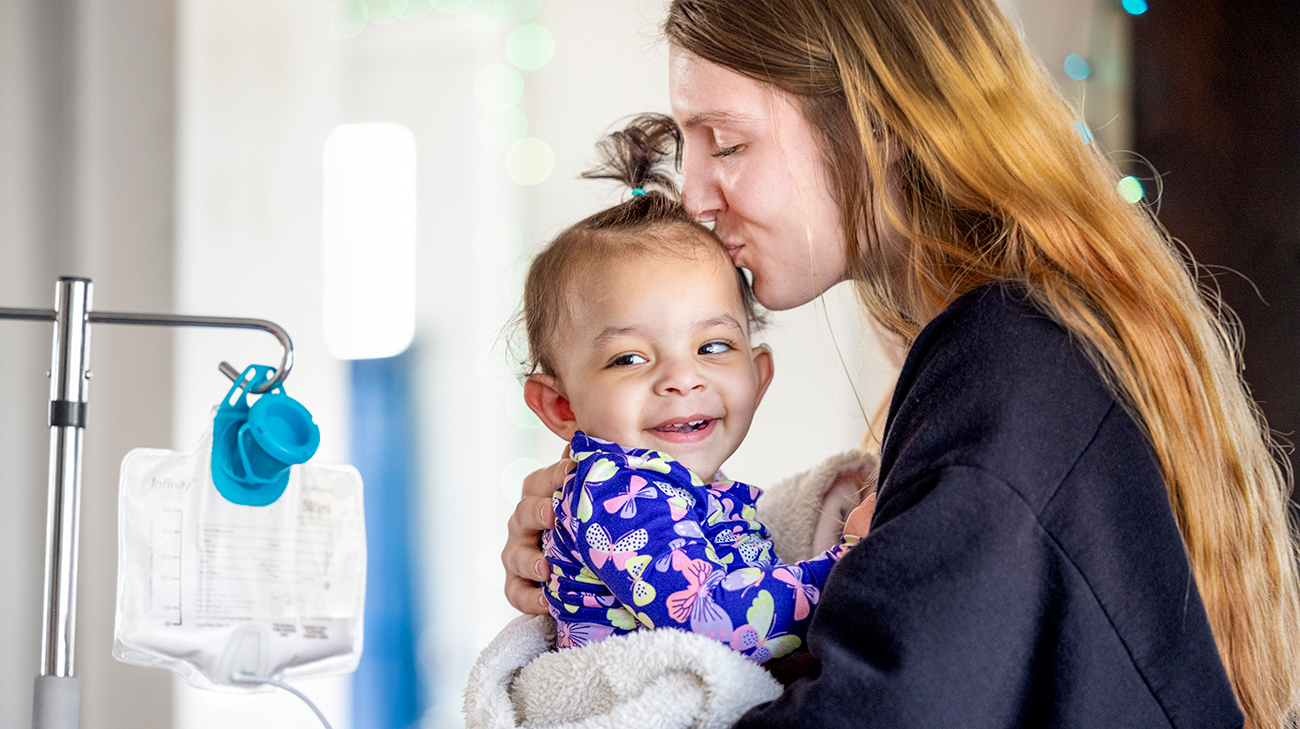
{"points": [[714, 118]]}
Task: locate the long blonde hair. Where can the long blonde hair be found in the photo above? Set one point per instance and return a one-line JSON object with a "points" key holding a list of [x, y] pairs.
{"points": [[994, 183]]}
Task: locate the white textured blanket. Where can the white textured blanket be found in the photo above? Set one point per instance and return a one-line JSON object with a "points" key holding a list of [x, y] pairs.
{"points": [[657, 679]]}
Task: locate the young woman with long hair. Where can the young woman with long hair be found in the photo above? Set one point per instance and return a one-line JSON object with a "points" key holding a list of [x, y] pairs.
{"points": [[917, 149]]}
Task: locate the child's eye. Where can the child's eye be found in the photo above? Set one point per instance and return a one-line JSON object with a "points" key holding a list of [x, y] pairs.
{"points": [[727, 151], [717, 347], [624, 360]]}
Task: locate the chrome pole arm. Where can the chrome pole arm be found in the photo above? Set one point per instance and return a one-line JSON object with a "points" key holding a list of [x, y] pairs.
{"points": [[58, 691]]}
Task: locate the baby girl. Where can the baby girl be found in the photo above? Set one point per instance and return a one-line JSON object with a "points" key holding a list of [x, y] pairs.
{"points": [[639, 332]]}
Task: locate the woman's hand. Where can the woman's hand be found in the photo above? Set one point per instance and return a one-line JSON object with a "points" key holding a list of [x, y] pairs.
{"points": [[522, 557], [846, 508], [859, 521]]}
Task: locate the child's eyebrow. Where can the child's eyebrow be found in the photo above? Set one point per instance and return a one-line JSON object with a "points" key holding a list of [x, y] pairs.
{"points": [[724, 320], [609, 334]]}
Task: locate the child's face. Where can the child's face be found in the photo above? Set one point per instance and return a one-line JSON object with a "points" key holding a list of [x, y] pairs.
{"points": [[656, 355]]}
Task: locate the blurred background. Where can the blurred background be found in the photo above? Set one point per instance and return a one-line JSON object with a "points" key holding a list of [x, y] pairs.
{"points": [[374, 176]]}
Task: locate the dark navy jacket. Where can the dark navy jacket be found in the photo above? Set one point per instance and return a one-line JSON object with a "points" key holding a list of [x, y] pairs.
{"points": [[1024, 567]]}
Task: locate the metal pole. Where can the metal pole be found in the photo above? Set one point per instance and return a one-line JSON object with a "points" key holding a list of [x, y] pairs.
{"points": [[58, 693]]}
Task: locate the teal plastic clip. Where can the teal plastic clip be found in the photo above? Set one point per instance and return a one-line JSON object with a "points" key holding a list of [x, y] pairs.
{"points": [[253, 447]]}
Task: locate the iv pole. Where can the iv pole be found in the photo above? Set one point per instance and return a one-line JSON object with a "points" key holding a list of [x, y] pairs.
{"points": [[57, 699]]}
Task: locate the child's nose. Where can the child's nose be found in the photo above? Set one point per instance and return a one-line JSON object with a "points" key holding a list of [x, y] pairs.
{"points": [[679, 377]]}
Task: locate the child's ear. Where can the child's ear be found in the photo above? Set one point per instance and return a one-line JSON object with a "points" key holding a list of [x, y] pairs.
{"points": [[764, 366], [543, 396]]}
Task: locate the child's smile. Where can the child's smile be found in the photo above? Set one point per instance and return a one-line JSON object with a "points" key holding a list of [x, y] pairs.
{"points": [[655, 354]]}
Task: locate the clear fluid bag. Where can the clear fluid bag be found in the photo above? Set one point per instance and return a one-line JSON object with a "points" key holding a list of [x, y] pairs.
{"points": [[216, 590]]}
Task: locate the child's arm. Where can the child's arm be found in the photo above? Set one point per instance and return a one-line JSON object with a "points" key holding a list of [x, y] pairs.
{"points": [[646, 543]]}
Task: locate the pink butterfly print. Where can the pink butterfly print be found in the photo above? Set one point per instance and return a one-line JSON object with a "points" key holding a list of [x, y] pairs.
{"points": [[805, 596], [621, 551], [598, 601], [625, 503], [696, 601], [674, 557], [680, 501], [574, 635]]}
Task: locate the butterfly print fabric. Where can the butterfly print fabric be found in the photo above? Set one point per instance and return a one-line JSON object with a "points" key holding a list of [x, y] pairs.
{"points": [[641, 543]]}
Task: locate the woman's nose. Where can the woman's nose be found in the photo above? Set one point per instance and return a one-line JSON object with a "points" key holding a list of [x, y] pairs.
{"points": [[680, 377], [701, 194]]}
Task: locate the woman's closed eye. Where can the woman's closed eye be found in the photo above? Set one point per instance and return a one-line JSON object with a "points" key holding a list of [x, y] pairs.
{"points": [[727, 151], [717, 346], [627, 359]]}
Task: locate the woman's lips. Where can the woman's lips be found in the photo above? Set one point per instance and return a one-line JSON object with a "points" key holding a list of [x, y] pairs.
{"points": [[734, 252], [685, 430]]}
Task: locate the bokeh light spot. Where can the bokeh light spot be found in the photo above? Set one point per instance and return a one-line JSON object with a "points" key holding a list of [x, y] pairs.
{"points": [[498, 242], [512, 476], [1134, 7], [1130, 189], [518, 11], [530, 161], [383, 12], [530, 46], [498, 87], [520, 415], [451, 7], [481, 15], [417, 9], [1085, 134], [1077, 68], [502, 129], [514, 284], [347, 18]]}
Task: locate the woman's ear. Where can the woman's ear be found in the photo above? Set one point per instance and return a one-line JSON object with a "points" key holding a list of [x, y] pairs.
{"points": [[542, 393], [764, 367]]}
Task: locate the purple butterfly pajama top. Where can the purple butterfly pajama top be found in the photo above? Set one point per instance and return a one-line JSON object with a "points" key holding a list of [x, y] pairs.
{"points": [[641, 542]]}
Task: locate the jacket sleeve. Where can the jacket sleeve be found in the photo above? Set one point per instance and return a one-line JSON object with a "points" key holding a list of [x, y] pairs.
{"points": [[926, 622]]}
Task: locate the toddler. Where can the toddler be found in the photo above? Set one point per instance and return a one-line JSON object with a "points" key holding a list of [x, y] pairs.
{"points": [[638, 328]]}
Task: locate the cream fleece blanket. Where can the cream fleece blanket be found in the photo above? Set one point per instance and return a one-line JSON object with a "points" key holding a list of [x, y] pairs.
{"points": [[656, 679]]}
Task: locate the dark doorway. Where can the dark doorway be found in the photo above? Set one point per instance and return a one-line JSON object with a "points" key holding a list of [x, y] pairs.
{"points": [[1216, 110]]}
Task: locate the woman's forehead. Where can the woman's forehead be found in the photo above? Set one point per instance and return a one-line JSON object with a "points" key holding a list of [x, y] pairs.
{"points": [[705, 94]]}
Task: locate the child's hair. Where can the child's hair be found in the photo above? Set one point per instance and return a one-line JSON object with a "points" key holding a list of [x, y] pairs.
{"points": [[652, 222]]}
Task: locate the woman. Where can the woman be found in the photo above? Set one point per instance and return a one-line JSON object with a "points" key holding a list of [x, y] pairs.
{"points": [[1080, 520]]}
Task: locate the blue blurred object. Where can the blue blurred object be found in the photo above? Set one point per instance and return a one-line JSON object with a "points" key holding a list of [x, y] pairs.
{"points": [[386, 685], [1076, 67], [253, 447], [1134, 7]]}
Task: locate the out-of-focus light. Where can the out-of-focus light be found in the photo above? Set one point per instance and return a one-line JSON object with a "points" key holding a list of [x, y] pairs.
{"points": [[517, 11], [347, 18], [451, 7], [514, 284], [383, 12], [417, 9], [498, 87], [530, 46], [1130, 189], [498, 242], [481, 15], [1081, 128], [501, 130], [1077, 68], [530, 161], [369, 240], [512, 476], [519, 414], [1134, 7]]}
